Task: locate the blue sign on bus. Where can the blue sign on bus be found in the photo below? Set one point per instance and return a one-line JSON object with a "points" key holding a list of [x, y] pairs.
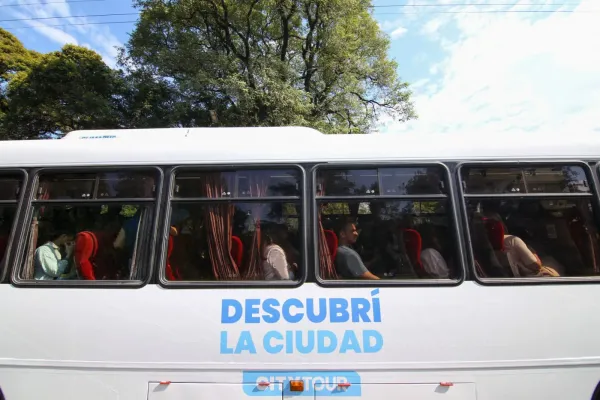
{"points": [[316, 383]]}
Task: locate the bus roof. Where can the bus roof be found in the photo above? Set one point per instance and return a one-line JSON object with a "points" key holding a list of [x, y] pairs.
{"points": [[289, 144]]}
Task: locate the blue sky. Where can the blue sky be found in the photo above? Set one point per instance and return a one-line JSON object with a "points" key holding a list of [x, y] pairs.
{"points": [[469, 69]]}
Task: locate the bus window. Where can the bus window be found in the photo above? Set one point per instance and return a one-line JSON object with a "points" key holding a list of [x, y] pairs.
{"points": [[90, 226], [532, 222], [235, 225], [10, 187], [392, 223]]}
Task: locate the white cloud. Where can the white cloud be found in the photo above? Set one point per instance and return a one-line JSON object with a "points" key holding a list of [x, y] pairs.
{"points": [[398, 32], [390, 25], [98, 38], [510, 71], [54, 34]]}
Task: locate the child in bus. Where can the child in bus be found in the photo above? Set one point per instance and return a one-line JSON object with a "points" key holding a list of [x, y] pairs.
{"points": [[348, 262], [49, 263]]}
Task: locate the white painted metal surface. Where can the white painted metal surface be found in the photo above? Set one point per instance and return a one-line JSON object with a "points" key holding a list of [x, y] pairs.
{"points": [[509, 342], [227, 145]]}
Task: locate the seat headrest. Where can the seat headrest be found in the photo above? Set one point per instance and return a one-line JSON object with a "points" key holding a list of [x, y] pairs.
{"points": [[413, 243], [332, 242], [86, 243], [237, 250], [170, 247], [495, 232]]}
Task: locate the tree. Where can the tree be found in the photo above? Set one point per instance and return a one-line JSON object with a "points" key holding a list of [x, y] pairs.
{"points": [[319, 63], [14, 58], [147, 102], [64, 91]]}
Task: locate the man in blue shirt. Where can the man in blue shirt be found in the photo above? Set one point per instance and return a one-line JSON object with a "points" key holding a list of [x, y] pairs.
{"points": [[348, 263]]}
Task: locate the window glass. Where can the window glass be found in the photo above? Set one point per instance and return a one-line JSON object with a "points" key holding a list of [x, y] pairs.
{"points": [[74, 240], [235, 240], [356, 182], [7, 217], [9, 188], [409, 181], [126, 185], [80, 242], [66, 186], [390, 239], [497, 180], [534, 237], [95, 186], [385, 238], [250, 183], [381, 181]]}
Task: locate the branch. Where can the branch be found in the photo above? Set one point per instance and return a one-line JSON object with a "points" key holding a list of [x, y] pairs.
{"points": [[308, 46], [374, 102], [285, 27], [249, 28]]}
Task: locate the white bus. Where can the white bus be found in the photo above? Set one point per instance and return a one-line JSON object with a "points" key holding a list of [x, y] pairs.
{"points": [[264, 263]]}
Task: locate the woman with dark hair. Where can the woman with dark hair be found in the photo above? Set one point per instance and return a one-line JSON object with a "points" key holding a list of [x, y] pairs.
{"points": [[275, 261], [395, 254]]}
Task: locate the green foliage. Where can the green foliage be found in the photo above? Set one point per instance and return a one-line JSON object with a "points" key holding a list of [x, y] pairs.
{"points": [[148, 102], [128, 211], [317, 63], [14, 58], [320, 63], [65, 90]]}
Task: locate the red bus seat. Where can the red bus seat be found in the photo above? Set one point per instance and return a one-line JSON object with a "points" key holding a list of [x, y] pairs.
{"points": [[93, 256], [237, 250], [495, 232], [332, 243], [414, 244], [171, 273]]}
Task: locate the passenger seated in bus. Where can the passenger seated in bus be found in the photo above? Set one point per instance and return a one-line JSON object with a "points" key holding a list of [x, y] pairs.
{"points": [[275, 261], [127, 235], [538, 249], [522, 261], [553, 227], [348, 263], [431, 257], [49, 263], [398, 262]]}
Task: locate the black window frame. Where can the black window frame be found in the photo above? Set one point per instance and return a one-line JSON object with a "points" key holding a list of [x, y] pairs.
{"points": [[592, 195], [170, 199], [5, 264], [150, 231], [452, 213]]}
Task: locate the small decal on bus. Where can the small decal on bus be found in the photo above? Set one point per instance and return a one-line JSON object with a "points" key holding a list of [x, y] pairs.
{"points": [[316, 383], [99, 137]]}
